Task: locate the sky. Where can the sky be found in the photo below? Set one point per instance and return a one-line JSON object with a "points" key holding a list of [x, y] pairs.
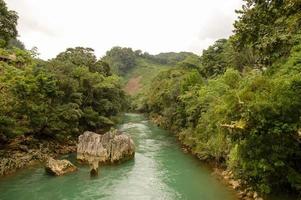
{"points": [[150, 25]]}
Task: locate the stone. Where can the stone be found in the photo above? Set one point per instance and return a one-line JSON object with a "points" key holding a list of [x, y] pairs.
{"points": [[59, 167], [94, 168], [250, 194], [224, 173], [23, 148], [185, 150], [235, 184], [111, 147], [241, 194]]}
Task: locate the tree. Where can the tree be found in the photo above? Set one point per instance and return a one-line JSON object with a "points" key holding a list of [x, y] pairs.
{"points": [[251, 97], [101, 67], [57, 98], [8, 23], [214, 60], [78, 56], [121, 59], [89, 83], [268, 27], [15, 43]]}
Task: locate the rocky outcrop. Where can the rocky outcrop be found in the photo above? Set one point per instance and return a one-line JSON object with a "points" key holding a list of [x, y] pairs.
{"points": [[24, 151], [59, 167], [12, 161], [110, 147]]}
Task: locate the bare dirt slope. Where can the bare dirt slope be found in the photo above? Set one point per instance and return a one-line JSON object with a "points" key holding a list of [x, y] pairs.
{"points": [[133, 85]]}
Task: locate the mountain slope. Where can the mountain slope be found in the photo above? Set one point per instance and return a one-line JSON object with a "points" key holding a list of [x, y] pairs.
{"points": [[139, 69]]}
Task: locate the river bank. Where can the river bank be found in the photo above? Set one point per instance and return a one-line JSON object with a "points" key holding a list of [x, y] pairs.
{"points": [[160, 170], [243, 189], [159, 161], [25, 151]]}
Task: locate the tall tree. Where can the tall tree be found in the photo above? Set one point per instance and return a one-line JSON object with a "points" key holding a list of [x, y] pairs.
{"points": [[120, 59], [268, 27], [8, 23], [79, 56]]}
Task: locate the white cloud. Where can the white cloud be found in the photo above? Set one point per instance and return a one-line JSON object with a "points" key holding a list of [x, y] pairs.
{"points": [[150, 25]]}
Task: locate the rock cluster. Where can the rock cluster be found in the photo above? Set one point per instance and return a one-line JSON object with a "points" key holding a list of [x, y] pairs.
{"points": [[19, 160], [110, 147], [92, 148], [244, 193], [59, 167], [25, 151]]}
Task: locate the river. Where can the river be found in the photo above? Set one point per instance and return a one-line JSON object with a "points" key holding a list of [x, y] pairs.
{"points": [[160, 171]]}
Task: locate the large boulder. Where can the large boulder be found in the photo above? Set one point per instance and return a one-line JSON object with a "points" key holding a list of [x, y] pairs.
{"points": [[110, 147], [59, 167]]}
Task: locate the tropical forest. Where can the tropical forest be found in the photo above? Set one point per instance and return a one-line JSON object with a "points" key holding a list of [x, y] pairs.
{"points": [[221, 124]]}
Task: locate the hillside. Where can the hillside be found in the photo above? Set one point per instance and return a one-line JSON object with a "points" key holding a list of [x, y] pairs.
{"points": [[141, 75], [139, 69]]}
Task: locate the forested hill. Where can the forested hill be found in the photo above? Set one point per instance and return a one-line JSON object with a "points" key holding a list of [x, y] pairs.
{"points": [[241, 106], [139, 68]]}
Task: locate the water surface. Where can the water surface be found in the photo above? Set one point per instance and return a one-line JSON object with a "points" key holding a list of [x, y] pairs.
{"points": [[160, 170]]}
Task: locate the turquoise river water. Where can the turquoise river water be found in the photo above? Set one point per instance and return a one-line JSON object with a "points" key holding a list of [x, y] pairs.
{"points": [[160, 171]]}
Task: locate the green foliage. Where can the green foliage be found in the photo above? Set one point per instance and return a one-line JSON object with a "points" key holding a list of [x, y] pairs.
{"points": [[238, 104], [78, 56], [146, 70], [241, 106], [232, 118], [8, 23], [215, 59], [15, 43], [268, 28], [59, 98], [191, 61], [163, 97], [147, 66], [170, 58], [96, 91], [121, 59]]}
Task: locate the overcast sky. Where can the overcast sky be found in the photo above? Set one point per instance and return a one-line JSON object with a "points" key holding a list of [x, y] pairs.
{"points": [[150, 25]]}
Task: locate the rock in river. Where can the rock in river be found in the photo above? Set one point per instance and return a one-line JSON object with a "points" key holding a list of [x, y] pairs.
{"points": [[110, 147], [59, 167]]}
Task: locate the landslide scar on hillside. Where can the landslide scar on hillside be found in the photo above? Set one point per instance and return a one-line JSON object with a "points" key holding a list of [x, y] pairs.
{"points": [[133, 85]]}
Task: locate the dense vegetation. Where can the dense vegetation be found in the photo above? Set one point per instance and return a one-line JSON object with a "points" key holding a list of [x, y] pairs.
{"points": [[124, 60], [240, 102], [58, 98], [139, 68]]}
